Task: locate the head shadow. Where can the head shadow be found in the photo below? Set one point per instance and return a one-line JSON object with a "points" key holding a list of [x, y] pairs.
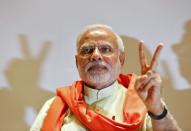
{"points": [[182, 50]]}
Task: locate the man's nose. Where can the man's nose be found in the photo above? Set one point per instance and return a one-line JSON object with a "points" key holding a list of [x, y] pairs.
{"points": [[96, 55]]}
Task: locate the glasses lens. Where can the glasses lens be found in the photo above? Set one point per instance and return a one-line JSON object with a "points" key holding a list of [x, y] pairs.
{"points": [[104, 49], [86, 50]]}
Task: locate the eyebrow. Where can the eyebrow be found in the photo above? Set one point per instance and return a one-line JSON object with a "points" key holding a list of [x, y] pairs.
{"points": [[101, 43], [83, 45]]}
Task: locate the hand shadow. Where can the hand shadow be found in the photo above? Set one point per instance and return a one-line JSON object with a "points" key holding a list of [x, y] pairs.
{"points": [[23, 75]]}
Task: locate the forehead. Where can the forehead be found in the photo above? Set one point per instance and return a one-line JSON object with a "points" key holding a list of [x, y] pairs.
{"points": [[98, 34]]}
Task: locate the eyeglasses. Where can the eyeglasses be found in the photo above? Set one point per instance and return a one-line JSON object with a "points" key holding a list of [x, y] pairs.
{"points": [[104, 49]]}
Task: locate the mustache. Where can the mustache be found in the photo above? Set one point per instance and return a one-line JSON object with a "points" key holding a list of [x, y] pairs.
{"points": [[96, 63]]}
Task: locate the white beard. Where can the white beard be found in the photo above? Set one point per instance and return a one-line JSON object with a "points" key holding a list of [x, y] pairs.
{"points": [[99, 78], [105, 75]]}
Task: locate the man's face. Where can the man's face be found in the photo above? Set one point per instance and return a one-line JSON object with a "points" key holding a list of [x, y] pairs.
{"points": [[98, 58]]}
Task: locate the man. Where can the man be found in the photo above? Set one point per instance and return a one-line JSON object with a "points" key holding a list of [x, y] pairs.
{"points": [[104, 99]]}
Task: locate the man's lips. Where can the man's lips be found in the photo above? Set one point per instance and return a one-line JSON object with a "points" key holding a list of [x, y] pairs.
{"points": [[97, 68]]}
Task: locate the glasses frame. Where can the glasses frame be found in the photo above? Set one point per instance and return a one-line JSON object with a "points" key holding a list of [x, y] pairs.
{"points": [[98, 47]]}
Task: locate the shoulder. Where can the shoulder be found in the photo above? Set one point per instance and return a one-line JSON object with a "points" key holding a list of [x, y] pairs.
{"points": [[41, 115], [67, 87], [48, 103]]}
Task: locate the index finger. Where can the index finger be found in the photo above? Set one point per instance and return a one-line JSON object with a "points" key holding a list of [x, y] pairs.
{"points": [[142, 57], [24, 46], [156, 56]]}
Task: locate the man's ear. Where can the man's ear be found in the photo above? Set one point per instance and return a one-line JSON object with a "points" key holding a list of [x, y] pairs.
{"points": [[76, 57], [122, 58]]}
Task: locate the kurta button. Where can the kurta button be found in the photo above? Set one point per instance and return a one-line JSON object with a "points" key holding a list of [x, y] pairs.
{"points": [[113, 117]]}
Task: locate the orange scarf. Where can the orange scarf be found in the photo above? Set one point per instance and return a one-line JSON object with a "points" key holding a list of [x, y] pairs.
{"points": [[72, 97]]}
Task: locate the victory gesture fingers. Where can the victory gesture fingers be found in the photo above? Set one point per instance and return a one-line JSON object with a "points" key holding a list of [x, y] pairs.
{"points": [[145, 67], [148, 84]]}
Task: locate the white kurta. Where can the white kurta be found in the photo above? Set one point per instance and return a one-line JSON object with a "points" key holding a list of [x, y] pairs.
{"points": [[108, 101]]}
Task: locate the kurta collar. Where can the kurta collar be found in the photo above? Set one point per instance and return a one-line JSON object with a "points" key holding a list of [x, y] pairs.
{"points": [[92, 95]]}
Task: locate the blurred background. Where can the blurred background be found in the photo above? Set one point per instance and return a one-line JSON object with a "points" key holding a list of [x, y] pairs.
{"points": [[37, 48]]}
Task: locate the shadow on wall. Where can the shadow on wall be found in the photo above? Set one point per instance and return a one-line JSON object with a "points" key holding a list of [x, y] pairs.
{"points": [[176, 100], [183, 52], [132, 64], [23, 76], [179, 100]]}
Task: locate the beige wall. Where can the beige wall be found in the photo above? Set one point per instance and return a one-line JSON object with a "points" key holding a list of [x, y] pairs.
{"points": [[37, 47]]}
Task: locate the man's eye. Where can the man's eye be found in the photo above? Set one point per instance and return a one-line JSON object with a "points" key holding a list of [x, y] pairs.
{"points": [[105, 49], [86, 50]]}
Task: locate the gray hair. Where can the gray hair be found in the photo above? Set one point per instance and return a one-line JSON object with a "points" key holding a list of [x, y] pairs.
{"points": [[95, 26]]}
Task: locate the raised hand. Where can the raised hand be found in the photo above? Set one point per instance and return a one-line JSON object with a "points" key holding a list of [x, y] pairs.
{"points": [[148, 84]]}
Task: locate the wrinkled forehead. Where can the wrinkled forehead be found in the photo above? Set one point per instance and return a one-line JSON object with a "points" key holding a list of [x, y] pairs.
{"points": [[97, 35]]}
